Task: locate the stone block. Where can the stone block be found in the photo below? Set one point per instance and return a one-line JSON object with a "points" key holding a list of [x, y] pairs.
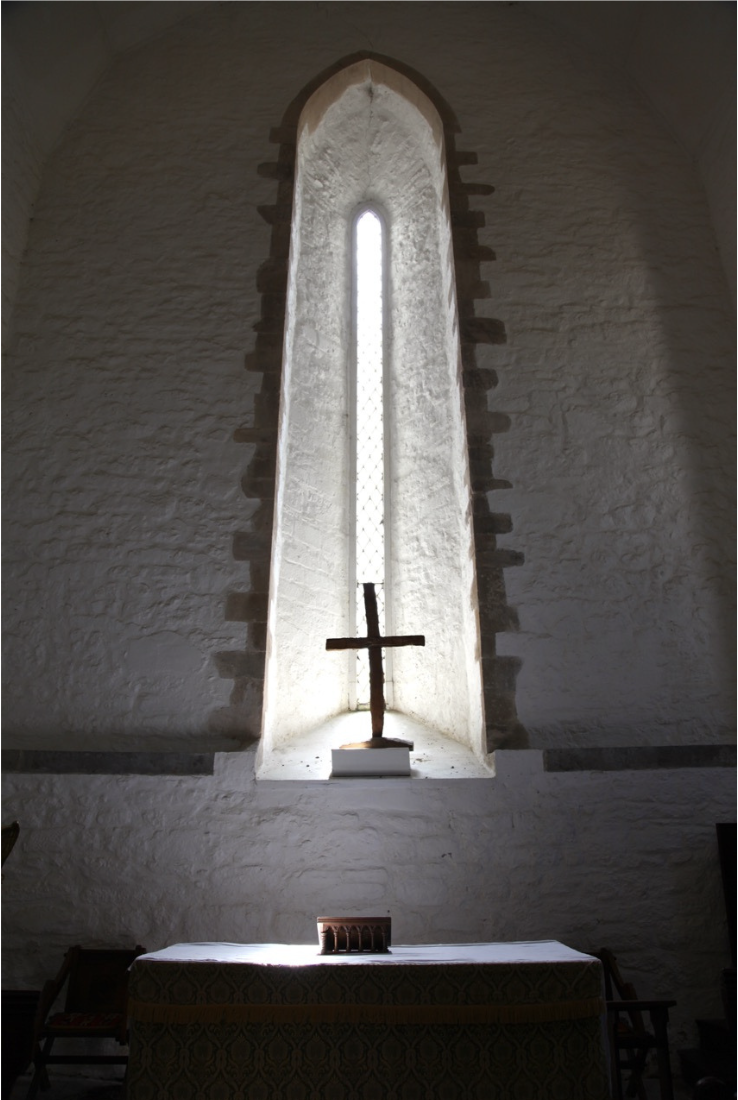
{"points": [[251, 545], [234, 664], [479, 379], [483, 330], [246, 607], [496, 523]]}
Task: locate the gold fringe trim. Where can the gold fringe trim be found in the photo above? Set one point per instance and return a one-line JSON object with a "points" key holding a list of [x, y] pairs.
{"points": [[147, 1013]]}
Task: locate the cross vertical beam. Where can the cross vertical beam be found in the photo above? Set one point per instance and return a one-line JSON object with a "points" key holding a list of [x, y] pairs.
{"points": [[377, 705]]}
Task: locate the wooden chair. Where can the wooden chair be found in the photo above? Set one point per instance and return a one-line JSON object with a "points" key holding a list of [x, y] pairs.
{"points": [[631, 1038], [94, 1008]]}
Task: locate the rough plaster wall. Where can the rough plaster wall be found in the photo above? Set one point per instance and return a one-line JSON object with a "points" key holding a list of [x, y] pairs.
{"points": [[684, 58], [19, 187], [680, 54], [52, 55], [127, 371], [622, 860], [124, 381], [622, 379], [123, 388]]}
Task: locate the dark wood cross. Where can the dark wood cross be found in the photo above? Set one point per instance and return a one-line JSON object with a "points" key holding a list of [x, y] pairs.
{"points": [[374, 642]]}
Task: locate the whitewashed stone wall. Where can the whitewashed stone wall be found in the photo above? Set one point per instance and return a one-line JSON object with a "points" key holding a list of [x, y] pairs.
{"points": [[124, 382], [625, 860], [124, 386]]}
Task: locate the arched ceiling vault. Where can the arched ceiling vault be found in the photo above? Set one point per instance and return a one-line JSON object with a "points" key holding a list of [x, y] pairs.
{"points": [[680, 55]]}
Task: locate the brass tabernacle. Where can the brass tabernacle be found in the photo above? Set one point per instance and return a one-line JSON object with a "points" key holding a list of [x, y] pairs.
{"points": [[354, 935]]}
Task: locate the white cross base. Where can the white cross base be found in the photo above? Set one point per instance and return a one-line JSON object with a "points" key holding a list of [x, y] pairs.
{"points": [[347, 762]]}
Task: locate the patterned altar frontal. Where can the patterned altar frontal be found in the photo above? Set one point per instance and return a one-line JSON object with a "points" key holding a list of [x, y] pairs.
{"points": [[441, 1022]]}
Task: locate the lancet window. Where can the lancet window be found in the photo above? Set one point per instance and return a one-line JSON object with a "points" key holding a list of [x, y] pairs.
{"points": [[370, 163]]}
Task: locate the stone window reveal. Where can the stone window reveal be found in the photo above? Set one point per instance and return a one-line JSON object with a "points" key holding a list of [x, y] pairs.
{"points": [[368, 136]]}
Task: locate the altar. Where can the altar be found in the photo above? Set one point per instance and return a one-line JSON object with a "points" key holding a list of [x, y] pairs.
{"points": [[498, 1021]]}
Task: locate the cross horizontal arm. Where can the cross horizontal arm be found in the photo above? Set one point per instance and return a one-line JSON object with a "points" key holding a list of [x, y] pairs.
{"points": [[374, 643]]}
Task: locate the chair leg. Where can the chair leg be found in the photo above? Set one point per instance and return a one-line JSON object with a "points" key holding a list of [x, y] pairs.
{"points": [[635, 1085], [665, 1084], [665, 1081], [616, 1084], [662, 1055], [40, 1079]]}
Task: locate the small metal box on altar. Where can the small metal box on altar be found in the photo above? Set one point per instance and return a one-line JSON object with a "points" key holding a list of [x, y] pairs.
{"points": [[354, 935]]}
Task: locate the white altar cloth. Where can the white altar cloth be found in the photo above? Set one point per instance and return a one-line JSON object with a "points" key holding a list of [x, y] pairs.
{"points": [[298, 954], [479, 1021]]}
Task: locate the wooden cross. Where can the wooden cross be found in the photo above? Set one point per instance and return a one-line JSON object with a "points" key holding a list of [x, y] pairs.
{"points": [[374, 642]]}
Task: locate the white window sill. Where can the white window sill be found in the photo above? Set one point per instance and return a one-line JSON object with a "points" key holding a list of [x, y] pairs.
{"points": [[434, 756]]}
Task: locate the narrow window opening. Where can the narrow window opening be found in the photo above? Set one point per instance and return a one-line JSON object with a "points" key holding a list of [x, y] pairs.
{"points": [[368, 536]]}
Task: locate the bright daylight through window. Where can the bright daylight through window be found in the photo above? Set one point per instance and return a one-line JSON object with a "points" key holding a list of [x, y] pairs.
{"points": [[369, 506]]}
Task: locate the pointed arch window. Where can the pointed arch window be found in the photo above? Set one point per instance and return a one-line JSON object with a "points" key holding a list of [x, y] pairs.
{"points": [[370, 161]]}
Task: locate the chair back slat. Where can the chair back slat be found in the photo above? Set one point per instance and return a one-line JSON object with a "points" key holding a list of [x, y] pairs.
{"points": [[615, 983], [98, 981]]}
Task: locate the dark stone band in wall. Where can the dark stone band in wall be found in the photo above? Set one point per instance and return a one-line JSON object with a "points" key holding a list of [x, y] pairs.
{"points": [[639, 758], [59, 762]]}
